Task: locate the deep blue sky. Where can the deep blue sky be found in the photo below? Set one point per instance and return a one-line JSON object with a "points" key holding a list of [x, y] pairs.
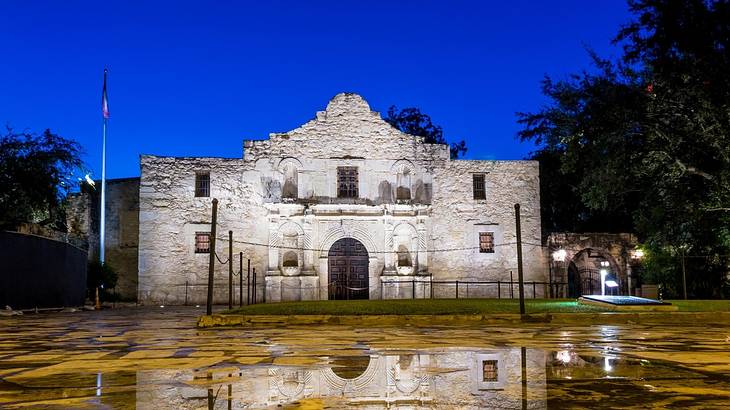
{"points": [[196, 78]]}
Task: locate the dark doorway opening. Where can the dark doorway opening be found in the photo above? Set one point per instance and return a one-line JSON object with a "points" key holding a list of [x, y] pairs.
{"points": [[348, 270]]}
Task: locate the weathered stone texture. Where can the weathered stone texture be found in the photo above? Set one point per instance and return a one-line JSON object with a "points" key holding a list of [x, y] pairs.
{"points": [[122, 227], [282, 199], [458, 219]]}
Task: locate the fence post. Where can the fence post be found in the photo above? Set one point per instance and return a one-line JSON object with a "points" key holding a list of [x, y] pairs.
{"points": [[511, 281], [211, 259], [248, 283], [382, 296], [413, 288], [499, 290], [186, 293], [230, 270], [457, 289], [467, 290], [253, 290], [240, 279], [430, 285], [520, 276], [533, 290]]}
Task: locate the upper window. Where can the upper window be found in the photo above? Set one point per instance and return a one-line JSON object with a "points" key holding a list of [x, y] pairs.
{"points": [[486, 242], [479, 190], [202, 242], [490, 371], [202, 184], [347, 182]]}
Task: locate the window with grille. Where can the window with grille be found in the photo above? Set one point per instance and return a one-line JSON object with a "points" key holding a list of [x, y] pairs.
{"points": [[480, 191], [347, 182], [486, 242], [202, 184], [202, 242], [490, 371]]}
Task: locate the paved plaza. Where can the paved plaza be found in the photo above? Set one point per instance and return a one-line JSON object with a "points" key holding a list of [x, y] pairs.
{"points": [[156, 358]]}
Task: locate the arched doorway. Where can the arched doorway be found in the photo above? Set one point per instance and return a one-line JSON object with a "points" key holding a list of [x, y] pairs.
{"points": [[584, 277], [348, 265]]}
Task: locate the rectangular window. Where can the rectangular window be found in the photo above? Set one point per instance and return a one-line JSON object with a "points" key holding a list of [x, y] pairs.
{"points": [[202, 184], [347, 182], [486, 242], [490, 371], [479, 190], [202, 242]]}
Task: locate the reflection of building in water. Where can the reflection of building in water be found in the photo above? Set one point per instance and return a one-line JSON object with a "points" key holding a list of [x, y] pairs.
{"points": [[443, 378]]}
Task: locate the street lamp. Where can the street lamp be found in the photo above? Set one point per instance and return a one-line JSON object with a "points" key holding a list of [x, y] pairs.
{"points": [[558, 256]]}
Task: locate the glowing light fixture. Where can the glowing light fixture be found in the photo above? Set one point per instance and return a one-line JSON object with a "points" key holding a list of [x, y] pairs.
{"points": [[637, 254], [559, 255], [604, 273], [90, 181], [611, 284]]}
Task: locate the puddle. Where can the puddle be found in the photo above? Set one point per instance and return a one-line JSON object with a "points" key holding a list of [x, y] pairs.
{"points": [[429, 378], [340, 367]]}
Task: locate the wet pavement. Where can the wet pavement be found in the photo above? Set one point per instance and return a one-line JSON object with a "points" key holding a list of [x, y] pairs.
{"points": [[155, 358]]}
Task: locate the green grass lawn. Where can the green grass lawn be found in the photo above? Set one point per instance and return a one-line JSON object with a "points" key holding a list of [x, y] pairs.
{"points": [[448, 307], [414, 307]]}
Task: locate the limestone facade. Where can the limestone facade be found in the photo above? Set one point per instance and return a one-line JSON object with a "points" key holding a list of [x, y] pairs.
{"points": [[122, 229], [287, 203]]}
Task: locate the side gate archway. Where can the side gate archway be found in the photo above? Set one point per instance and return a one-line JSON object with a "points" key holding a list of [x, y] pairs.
{"points": [[348, 270]]}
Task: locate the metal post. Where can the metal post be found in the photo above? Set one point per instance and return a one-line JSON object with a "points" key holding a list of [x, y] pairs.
{"points": [[186, 293], [248, 283], [253, 290], [520, 276], [240, 279], [457, 289], [230, 270], [684, 278], [413, 288], [550, 278], [534, 295], [511, 282], [211, 259], [499, 290]]}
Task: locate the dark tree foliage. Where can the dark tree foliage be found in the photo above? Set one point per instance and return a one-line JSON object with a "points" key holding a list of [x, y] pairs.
{"points": [[412, 121], [645, 142], [36, 173], [102, 276]]}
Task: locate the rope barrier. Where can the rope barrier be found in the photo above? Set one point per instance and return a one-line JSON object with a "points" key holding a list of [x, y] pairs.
{"points": [[296, 248], [219, 259]]}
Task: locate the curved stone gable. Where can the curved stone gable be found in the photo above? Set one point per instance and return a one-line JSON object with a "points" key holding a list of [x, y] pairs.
{"points": [[347, 128]]}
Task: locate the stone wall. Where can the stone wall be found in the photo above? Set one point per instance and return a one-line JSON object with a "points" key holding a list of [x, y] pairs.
{"points": [[458, 218], [281, 198], [122, 228], [170, 215]]}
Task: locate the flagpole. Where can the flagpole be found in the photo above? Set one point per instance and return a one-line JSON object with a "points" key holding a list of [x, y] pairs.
{"points": [[102, 226], [102, 229]]}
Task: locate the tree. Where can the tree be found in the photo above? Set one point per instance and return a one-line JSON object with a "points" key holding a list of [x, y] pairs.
{"points": [[412, 121], [645, 140], [36, 174], [100, 276]]}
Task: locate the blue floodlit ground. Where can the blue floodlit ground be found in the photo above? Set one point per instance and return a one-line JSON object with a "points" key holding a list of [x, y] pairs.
{"points": [[624, 300]]}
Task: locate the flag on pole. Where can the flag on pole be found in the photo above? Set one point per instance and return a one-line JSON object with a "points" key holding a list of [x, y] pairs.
{"points": [[104, 100]]}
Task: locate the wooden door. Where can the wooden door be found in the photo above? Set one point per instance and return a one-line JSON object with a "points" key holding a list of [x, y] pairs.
{"points": [[348, 270]]}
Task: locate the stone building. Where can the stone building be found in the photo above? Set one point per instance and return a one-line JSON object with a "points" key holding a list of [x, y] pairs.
{"points": [[343, 207], [122, 229]]}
